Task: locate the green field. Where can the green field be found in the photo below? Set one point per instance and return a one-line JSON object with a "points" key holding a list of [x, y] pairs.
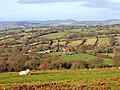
{"points": [[84, 57], [75, 43], [54, 35], [13, 31], [108, 61], [91, 41], [103, 41], [110, 78], [78, 57]]}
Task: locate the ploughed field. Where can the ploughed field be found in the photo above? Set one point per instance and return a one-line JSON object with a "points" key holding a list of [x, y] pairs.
{"points": [[87, 79]]}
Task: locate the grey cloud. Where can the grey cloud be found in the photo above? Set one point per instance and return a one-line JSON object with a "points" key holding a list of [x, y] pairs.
{"points": [[44, 1], [89, 3], [105, 5], [51, 1]]}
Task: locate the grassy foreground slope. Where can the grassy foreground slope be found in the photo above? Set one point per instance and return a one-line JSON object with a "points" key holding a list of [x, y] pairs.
{"points": [[105, 77]]}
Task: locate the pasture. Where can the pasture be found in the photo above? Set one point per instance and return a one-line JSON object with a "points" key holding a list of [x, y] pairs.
{"points": [[84, 57], [77, 57], [54, 35]]}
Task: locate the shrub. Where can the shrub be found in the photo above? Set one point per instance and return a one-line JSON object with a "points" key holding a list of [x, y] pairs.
{"points": [[66, 65], [56, 65], [116, 60], [45, 65], [3, 66], [79, 64], [97, 62]]}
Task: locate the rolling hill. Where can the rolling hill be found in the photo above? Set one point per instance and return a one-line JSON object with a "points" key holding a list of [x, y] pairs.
{"points": [[6, 25]]}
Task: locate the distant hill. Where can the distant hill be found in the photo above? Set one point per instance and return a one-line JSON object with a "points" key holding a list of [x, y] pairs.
{"points": [[5, 25], [71, 22], [114, 21]]}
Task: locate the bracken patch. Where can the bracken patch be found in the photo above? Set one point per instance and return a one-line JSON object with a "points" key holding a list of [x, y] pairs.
{"points": [[115, 79], [61, 86]]}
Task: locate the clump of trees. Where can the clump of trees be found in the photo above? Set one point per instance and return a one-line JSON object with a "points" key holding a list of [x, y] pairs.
{"points": [[116, 60], [97, 62], [17, 61]]}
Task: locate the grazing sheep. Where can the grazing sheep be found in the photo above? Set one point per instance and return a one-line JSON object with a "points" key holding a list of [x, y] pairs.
{"points": [[24, 72]]}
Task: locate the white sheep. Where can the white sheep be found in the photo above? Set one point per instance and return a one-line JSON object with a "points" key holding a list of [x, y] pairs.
{"points": [[24, 72]]}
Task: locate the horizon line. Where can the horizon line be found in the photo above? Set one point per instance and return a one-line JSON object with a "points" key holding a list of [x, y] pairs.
{"points": [[53, 20]]}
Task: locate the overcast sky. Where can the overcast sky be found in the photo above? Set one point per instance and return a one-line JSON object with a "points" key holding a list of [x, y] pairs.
{"points": [[12, 10]]}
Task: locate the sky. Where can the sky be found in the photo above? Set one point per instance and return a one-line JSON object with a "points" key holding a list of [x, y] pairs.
{"points": [[42, 10]]}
